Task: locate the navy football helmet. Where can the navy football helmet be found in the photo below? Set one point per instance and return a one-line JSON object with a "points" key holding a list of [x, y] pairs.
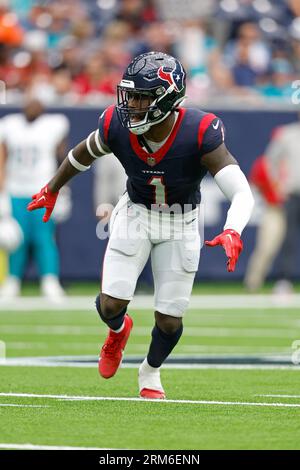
{"points": [[152, 86]]}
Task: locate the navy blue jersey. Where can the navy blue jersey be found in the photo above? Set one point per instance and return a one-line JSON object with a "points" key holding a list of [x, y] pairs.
{"points": [[173, 174]]}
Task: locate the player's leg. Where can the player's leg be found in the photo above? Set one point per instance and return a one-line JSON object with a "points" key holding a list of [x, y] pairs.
{"points": [[18, 259], [125, 258], [291, 238], [266, 248], [284, 287], [46, 256], [174, 266]]}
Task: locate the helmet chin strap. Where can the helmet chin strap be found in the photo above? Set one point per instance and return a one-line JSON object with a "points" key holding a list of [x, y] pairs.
{"points": [[140, 129], [143, 128]]}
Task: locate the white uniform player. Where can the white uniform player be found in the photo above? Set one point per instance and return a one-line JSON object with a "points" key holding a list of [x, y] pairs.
{"points": [[109, 185], [29, 146]]}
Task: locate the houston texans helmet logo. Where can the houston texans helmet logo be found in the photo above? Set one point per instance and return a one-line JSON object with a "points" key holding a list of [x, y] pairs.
{"points": [[176, 77]]}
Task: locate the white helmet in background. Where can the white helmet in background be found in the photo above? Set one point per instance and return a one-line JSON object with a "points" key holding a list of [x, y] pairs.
{"points": [[11, 235]]}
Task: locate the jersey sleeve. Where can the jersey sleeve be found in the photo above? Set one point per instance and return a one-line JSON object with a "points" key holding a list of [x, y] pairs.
{"points": [[104, 128], [211, 133]]}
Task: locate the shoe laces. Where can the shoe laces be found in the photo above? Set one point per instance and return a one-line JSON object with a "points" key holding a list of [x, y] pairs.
{"points": [[111, 346]]}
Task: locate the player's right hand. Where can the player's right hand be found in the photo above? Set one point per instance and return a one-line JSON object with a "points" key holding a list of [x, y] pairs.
{"points": [[231, 241], [45, 198]]}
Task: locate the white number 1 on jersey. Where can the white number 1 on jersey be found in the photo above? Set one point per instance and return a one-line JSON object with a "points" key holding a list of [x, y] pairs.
{"points": [[160, 189]]}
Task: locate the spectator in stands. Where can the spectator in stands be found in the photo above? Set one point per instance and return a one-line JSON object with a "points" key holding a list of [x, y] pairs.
{"points": [[294, 36], [116, 47], [272, 222], [137, 13], [158, 36], [11, 32], [280, 80], [248, 56], [56, 90], [196, 47], [71, 55], [94, 79]]}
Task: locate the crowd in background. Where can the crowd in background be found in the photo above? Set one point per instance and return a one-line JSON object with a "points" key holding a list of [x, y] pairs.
{"points": [[74, 52]]}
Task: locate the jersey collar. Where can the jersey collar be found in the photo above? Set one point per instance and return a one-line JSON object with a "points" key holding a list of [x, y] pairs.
{"points": [[154, 158]]}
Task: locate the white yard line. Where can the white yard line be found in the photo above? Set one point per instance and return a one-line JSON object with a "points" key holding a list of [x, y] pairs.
{"points": [[24, 406], [279, 396], [42, 447], [143, 347], [139, 400], [143, 302], [263, 332]]}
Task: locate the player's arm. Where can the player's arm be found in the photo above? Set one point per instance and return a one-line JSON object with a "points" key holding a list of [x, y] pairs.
{"points": [[78, 160], [234, 185]]}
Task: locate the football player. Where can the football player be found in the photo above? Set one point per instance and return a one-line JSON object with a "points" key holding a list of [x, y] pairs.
{"points": [[30, 143], [165, 150]]}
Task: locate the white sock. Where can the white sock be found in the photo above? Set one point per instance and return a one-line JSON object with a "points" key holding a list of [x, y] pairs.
{"points": [[149, 377], [147, 368]]}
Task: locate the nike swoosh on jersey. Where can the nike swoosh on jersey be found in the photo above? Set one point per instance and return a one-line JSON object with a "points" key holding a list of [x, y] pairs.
{"points": [[217, 125], [190, 221]]}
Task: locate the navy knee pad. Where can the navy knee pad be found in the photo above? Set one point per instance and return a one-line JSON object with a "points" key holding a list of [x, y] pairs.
{"points": [[114, 323]]}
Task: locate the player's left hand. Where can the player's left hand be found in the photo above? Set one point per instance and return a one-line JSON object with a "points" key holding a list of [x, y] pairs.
{"points": [[231, 241], [45, 198]]}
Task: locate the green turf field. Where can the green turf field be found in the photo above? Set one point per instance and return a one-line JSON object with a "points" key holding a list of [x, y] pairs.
{"points": [[230, 385]]}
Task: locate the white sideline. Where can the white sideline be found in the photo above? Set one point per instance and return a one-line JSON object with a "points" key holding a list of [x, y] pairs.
{"points": [[272, 362], [142, 302], [141, 400], [41, 447]]}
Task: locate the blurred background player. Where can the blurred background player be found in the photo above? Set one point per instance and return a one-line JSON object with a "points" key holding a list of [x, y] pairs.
{"points": [[30, 144], [272, 221], [109, 185], [283, 152], [11, 234]]}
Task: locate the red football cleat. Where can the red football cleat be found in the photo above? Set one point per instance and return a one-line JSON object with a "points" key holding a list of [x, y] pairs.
{"points": [[112, 351], [152, 394]]}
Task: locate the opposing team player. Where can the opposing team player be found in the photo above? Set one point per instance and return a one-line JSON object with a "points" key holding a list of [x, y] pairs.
{"points": [[165, 150], [30, 143]]}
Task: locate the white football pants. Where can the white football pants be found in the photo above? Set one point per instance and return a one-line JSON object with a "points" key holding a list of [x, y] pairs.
{"points": [[174, 244]]}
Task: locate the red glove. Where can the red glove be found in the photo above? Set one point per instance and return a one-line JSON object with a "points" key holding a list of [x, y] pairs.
{"points": [[231, 241], [45, 198]]}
